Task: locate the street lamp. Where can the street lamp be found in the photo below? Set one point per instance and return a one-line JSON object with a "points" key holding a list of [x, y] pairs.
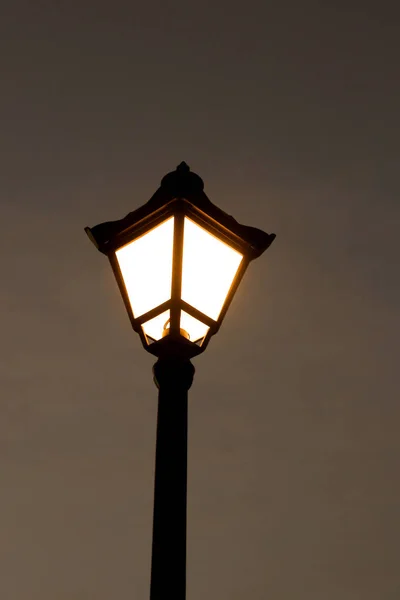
{"points": [[178, 261]]}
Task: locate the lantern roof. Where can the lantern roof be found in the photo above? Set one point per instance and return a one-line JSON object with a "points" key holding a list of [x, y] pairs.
{"points": [[180, 184]]}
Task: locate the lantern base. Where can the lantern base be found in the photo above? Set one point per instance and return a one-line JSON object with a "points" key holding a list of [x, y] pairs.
{"points": [[174, 346]]}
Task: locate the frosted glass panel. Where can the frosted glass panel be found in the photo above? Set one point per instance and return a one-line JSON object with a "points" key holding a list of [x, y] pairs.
{"points": [[146, 267], [155, 327], [208, 270], [196, 329]]}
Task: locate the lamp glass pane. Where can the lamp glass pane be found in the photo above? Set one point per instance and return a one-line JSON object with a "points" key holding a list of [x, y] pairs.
{"points": [[195, 328], [146, 267], [208, 269], [155, 327]]}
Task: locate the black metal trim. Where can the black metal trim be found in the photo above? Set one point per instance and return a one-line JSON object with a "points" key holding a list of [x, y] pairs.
{"points": [[176, 284], [217, 230], [122, 288], [154, 312], [197, 314], [136, 231], [234, 286]]}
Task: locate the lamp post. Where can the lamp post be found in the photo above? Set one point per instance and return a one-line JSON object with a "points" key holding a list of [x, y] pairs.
{"points": [[178, 261]]}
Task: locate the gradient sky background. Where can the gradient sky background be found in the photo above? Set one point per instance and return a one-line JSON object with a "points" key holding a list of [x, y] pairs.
{"points": [[290, 113]]}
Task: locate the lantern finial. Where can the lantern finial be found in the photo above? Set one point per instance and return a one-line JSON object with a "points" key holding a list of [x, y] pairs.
{"points": [[182, 181]]}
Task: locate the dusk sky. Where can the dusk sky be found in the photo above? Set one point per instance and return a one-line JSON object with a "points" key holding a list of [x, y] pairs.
{"points": [[289, 111]]}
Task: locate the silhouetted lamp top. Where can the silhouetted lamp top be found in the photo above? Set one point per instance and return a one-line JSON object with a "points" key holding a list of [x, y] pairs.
{"points": [[178, 261]]}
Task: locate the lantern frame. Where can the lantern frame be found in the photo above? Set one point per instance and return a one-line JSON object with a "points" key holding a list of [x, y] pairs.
{"points": [[180, 196]]}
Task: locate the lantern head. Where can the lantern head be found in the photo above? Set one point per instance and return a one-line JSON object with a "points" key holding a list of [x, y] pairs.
{"points": [[178, 261]]}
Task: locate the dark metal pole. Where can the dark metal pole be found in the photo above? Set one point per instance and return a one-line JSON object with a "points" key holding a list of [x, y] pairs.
{"points": [[173, 378]]}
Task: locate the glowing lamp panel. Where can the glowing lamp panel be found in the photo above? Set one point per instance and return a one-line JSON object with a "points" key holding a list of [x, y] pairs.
{"points": [[196, 329], [155, 328], [208, 270], [146, 267]]}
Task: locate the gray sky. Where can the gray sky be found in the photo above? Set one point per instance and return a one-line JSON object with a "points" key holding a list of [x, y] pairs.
{"points": [[290, 113]]}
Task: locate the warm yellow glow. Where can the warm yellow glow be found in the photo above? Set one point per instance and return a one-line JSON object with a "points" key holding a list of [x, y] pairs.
{"points": [[196, 329], [208, 270], [146, 267], [155, 327]]}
